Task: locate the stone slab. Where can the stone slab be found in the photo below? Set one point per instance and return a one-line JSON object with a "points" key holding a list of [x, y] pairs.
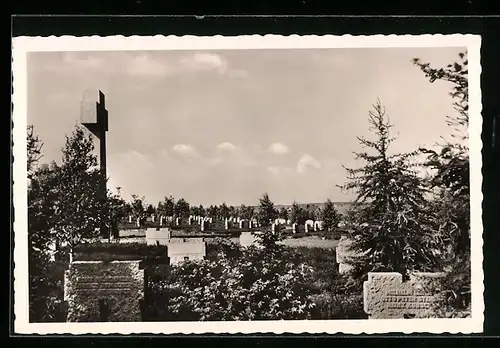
{"points": [[157, 237], [116, 285], [187, 251], [386, 296]]}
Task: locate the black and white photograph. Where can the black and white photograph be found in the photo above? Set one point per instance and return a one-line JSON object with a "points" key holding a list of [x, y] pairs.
{"points": [[247, 184]]}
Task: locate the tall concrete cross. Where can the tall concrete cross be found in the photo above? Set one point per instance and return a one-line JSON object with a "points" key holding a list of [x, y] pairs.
{"points": [[94, 117]]}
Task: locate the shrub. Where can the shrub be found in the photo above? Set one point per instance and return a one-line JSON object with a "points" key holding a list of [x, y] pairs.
{"points": [[331, 306], [240, 284], [46, 299], [455, 296]]}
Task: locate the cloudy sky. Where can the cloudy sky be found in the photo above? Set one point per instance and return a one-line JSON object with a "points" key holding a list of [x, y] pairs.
{"points": [[227, 126]]}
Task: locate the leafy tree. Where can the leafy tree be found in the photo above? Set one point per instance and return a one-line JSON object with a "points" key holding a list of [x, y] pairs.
{"points": [[391, 222], [246, 212], [457, 74], [201, 210], [450, 164], [224, 210], [78, 207], [167, 207], [150, 210], [181, 208], [283, 213], [266, 211], [41, 201], [213, 211], [316, 213], [117, 209], [193, 210], [138, 207], [450, 182], [34, 150], [330, 216]]}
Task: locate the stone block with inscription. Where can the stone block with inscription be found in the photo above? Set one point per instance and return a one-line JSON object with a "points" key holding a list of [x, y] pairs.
{"points": [[98, 291], [188, 249], [387, 296], [160, 236]]}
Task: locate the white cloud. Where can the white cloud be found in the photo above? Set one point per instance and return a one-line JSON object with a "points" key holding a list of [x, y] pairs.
{"points": [[206, 61], [185, 151], [231, 155], [307, 161], [226, 147], [145, 65], [273, 170], [77, 61], [278, 148]]}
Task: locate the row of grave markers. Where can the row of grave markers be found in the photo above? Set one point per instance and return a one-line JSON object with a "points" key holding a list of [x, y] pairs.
{"points": [[205, 222]]}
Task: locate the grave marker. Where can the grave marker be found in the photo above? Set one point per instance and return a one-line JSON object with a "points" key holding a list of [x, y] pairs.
{"points": [[186, 249], [157, 236], [104, 291], [386, 296], [275, 228]]}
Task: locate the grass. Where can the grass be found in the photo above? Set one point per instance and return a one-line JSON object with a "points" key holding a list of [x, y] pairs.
{"points": [[311, 242]]}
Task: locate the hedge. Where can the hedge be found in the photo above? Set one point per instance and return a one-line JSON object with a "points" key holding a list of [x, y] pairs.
{"points": [[118, 251]]}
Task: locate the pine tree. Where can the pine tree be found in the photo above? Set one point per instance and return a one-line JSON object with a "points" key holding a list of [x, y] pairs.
{"points": [[330, 216], [298, 214], [224, 211], [390, 222], [266, 212], [181, 208]]}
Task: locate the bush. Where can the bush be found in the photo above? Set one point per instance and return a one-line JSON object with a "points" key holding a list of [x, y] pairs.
{"points": [[331, 306], [240, 284], [46, 299], [455, 295]]}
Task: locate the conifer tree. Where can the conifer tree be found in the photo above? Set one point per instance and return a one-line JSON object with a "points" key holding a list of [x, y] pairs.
{"points": [[390, 223], [330, 216], [266, 211]]}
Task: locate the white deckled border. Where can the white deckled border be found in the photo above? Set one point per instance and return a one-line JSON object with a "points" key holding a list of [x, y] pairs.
{"points": [[23, 45]]}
